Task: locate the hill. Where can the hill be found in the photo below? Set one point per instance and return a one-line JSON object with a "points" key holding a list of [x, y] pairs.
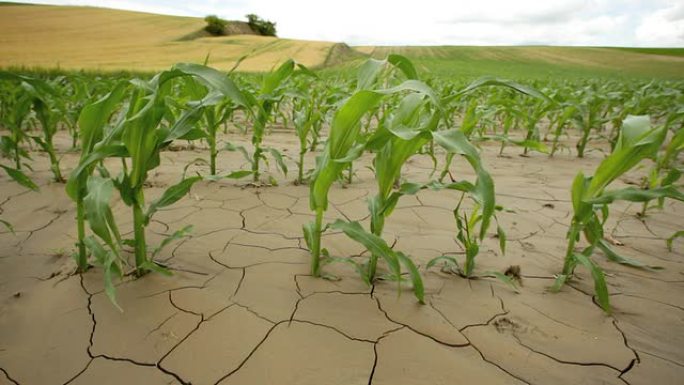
{"points": [[103, 39], [107, 39]]}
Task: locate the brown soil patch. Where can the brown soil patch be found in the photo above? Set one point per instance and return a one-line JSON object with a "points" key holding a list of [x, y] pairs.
{"points": [[241, 307]]}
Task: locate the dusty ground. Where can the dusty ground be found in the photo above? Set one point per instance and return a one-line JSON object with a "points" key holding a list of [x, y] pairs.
{"points": [[242, 309]]}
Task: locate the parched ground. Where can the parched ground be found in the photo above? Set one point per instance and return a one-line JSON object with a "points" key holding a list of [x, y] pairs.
{"points": [[241, 307]]}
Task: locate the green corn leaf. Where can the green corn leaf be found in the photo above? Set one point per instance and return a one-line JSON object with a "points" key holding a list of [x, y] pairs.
{"points": [[625, 158], [275, 78], [447, 259], [456, 142], [354, 153], [501, 234], [213, 79], [7, 225], [372, 242], [510, 281], [20, 178], [404, 64], [559, 282], [107, 260], [304, 70], [526, 143], [416, 280], [95, 116], [368, 73], [231, 147], [671, 239], [238, 174], [344, 131], [98, 210], [579, 185], [615, 257], [599, 281], [279, 160], [309, 228], [140, 138], [490, 81], [178, 234], [632, 194], [183, 127], [358, 267], [171, 196]]}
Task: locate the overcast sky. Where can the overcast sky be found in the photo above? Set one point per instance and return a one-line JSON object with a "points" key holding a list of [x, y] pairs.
{"points": [[651, 23]]}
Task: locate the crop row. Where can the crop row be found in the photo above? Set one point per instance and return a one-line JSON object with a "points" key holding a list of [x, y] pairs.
{"points": [[385, 111]]}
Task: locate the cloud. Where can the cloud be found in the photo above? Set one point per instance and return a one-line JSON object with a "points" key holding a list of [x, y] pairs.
{"points": [[663, 27], [518, 12]]}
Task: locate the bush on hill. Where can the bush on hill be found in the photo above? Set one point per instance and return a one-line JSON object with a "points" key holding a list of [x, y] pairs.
{"points": [[263, 27]]}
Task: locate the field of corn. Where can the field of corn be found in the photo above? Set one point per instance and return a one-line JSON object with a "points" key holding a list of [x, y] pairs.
{"points": [[367, 226]]}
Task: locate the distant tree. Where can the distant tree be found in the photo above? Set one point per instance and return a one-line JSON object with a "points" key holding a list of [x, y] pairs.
{"points": [[215, 25], [262, 27]]}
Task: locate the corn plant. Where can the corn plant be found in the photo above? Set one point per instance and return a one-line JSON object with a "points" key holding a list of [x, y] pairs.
{"points": [[49, 116], [591, 200], [665, 171], [16, 110], [73, 93], [216, 108], [138, 139], [267, 98], [470, 238], [340, 150], [402, 132], [560, 123], [536, 110], [588, 117], [305, 119], [92, 121]]}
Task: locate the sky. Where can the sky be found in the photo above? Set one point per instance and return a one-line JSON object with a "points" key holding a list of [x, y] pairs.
{"points": [[638, 23]]}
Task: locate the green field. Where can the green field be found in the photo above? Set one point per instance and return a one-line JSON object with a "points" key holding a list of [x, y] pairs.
{"points": [[542, 62]]}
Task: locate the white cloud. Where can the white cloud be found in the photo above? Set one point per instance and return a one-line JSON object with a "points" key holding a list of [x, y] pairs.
{"points": [[664, 26], [457, 22]]}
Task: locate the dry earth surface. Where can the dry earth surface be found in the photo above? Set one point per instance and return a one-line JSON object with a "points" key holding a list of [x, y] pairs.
{"points": [[241, 307]]}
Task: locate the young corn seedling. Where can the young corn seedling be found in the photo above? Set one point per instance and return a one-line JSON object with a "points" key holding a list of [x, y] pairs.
{"points": [[16, 110], [340, 150], [404, 131], [665, 171], [588, 118], [305, 119], [591, 200], [71, 101], [560, 124], [138, 139], [267, 98], [92, 121], [48, 116], [536, 110], [41, 96], [216, 109]]}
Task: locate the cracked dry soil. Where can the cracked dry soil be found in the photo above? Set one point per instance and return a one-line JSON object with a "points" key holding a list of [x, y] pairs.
{"points": [[242, 309]]}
